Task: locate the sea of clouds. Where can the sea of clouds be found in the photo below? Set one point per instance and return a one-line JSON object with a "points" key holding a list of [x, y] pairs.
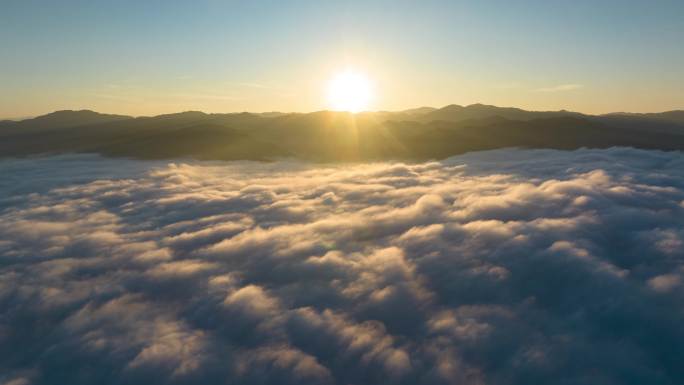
{"points": [[499, 267]]}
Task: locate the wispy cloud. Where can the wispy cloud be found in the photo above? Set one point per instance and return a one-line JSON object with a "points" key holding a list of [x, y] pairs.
{"points": [[561, 88]]}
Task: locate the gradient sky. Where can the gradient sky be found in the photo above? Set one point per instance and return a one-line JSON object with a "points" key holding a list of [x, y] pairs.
{"points": [[152, 57]]}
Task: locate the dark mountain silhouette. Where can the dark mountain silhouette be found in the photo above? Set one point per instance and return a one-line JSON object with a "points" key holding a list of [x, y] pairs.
{"points": [[200, 141], [455, 113], [670, 121], [418, 111], [676, 116], [417, 134], [65, 118]]}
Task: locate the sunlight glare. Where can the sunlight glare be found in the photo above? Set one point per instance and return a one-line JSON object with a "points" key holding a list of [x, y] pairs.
{"points": [[349, 91]]}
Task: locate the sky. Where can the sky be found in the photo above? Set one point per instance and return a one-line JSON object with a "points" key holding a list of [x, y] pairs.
{"points": [[153, 57]]}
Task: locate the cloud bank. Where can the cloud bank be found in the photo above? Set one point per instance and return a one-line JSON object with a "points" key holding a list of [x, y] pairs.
{"points": [[501, 267]]}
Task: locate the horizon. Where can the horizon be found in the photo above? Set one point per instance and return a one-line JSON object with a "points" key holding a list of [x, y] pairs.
{"points": [[138, 59], [17, 119]]}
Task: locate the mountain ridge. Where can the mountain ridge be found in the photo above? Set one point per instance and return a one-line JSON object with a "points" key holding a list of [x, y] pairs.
{"points": [[425, 110], [414, 134]]}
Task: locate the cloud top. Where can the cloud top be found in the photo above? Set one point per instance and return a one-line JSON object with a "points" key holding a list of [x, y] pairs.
{"points": [[501, 267]]}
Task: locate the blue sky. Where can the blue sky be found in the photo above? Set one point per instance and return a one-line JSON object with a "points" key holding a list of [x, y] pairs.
{"points": [[151, 57]]}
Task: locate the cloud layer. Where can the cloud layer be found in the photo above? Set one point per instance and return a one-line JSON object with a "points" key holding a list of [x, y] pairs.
{"points": [[501, 267]]}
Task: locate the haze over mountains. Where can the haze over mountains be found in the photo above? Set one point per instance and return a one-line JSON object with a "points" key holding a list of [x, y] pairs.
{"points": [[415, 134]]}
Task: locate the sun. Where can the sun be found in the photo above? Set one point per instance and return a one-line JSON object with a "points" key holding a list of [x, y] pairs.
{"points": [[349, 91]]}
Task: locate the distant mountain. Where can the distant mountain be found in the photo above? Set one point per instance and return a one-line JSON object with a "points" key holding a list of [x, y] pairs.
{"points": [[200, 141], [270, 114], [418, 111], [676, 116], [66, 118], [417, 134], [665, 122], [455, 113]]}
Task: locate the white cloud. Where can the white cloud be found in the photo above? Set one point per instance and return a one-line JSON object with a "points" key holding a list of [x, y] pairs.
{"points": [[507, 267]]}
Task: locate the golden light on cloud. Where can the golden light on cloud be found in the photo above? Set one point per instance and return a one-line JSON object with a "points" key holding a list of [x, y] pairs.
{"points": [[350, 91]]}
